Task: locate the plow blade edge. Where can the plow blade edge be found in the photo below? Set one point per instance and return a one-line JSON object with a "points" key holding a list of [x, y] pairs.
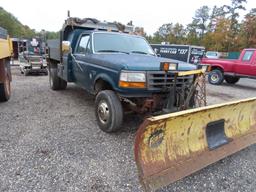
{"points": [[170, 147]]}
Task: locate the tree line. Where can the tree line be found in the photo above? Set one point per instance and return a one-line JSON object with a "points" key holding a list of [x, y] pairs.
{"points": [[16, 29], [216, 28]]}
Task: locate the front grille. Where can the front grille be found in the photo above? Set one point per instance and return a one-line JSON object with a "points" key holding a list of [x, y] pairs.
{"points": [[35, 60], [160, 80]]}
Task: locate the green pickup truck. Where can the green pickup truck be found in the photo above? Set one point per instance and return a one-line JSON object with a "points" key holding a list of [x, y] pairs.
{"points": [[120, 69]]}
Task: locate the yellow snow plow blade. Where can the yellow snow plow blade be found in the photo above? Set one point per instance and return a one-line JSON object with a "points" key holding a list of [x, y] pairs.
{"points": [[172, 146]]}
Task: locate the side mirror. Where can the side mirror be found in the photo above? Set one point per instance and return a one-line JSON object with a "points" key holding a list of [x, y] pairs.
{"points": [[66, 47], [158, 55]]}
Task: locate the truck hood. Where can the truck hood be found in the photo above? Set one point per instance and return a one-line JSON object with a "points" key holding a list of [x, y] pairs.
{"points": [[218, 61], [137, 62]]}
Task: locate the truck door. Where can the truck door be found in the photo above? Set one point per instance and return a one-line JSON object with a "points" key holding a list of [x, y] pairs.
{"points": [[80, 61], [245, 66]]}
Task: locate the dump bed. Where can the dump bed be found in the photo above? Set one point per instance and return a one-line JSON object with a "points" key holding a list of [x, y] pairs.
{"points": [[72, 23], [5, 44]]}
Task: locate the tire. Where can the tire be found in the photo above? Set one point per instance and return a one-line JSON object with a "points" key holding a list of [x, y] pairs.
{"points": [[216, 77], [107, 102], [46, 73], [56, 83], [5, 88], [26, 72], [231, 79]]}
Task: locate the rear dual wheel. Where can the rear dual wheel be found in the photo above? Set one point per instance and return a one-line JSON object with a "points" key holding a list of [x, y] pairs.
{"points": [[56, 83], [26, 72], [231, 79]]}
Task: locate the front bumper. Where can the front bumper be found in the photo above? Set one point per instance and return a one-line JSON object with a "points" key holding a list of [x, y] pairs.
{"points": [[161, 82], [36, 68], [165, 92]]}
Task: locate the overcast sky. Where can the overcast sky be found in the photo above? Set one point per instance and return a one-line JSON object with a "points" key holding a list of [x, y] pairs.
{"points": [[50, 14]]}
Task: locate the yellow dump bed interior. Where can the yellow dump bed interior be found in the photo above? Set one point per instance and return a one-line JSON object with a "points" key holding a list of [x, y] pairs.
{"points": [[5, 47]]}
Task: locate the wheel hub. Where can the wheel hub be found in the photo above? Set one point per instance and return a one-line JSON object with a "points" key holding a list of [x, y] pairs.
{"points": [[214, 77], [103, 112]]}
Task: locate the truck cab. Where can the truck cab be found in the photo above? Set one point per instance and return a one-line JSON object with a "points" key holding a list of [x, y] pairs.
{"points": [[119, 68]]}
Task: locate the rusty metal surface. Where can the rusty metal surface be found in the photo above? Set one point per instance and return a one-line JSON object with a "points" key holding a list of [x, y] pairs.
{"points": [[200, 96], [170, 147], [195, 93], [2, 71]]}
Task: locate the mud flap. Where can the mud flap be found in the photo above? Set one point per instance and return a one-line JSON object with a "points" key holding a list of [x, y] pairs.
{"points": [[172, 146]]}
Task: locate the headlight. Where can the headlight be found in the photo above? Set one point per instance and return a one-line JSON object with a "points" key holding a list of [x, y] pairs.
{"points": [[173, 66], [132, 80], [167, 66], [132, 77]]}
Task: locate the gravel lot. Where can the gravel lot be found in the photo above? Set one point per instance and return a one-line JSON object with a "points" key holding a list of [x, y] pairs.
{"points": [[49, 141]]}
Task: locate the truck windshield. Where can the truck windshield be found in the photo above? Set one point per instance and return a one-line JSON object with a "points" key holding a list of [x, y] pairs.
{"points": [[209, 53], [121, 43]]}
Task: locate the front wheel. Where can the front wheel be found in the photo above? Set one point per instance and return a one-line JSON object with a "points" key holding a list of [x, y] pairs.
{"points": [[108, 111], [216, 77], [231, 79]]}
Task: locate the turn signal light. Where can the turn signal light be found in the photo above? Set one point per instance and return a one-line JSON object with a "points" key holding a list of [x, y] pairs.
{"points": [[125, 84], [166, 67]]}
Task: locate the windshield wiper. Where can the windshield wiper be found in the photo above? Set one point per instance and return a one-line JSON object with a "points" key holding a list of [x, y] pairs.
{"points": [[112, 51], [141, 52]]}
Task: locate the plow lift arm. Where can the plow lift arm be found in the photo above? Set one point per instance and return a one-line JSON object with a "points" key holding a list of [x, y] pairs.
{"points": [[189, 95], [174, 145]]}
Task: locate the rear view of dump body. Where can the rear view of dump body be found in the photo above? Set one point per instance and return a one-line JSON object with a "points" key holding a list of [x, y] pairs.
{"points": [[172, 146], [5, 72], [31, 62]]}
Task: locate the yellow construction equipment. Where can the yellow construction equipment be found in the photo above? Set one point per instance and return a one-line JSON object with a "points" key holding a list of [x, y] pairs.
{"points": [[5, 71], [172, 146]]}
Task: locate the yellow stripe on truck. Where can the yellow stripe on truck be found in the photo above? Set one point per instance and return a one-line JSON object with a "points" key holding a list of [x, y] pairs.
{"points": [[192, 72], [172, 146]]}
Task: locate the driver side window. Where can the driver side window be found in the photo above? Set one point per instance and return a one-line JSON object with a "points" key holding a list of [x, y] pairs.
{"points": [[247, 55], [84, 45]]}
